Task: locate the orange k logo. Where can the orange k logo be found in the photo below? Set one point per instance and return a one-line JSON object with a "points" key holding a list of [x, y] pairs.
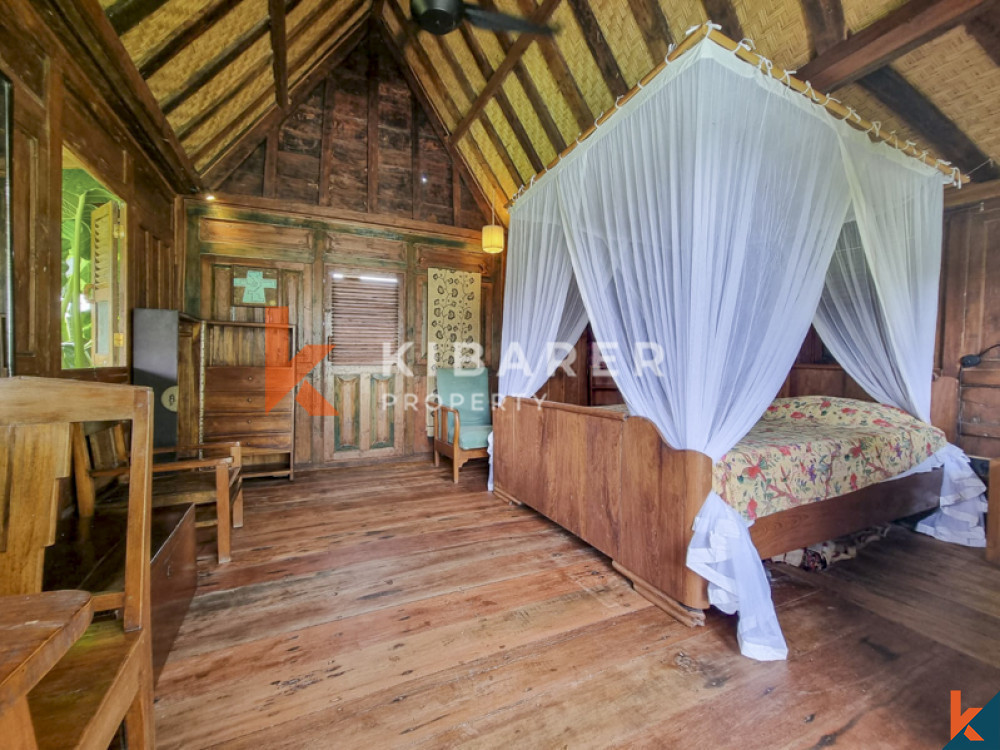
{"points": [[281, 379], [961, 720]]}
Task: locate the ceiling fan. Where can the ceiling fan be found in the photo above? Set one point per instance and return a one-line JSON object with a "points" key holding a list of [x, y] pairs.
{"points": [[443, 16]]}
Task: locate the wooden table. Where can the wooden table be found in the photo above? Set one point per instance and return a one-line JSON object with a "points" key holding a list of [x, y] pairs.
{"points": [[36, 631]]}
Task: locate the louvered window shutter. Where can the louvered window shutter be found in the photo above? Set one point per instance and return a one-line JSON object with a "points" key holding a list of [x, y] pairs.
{"points": [[105, 282], [364, 316]]}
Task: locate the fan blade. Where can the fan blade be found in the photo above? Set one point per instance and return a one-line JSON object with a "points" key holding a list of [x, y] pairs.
{"points": [[492, 21]]}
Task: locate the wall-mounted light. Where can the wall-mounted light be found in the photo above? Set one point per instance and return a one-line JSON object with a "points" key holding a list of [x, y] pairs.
{"points": [[209, 197], [493, 234]]}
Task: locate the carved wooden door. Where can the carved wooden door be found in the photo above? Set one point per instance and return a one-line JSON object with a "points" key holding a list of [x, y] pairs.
{"points": [[361, 381]]}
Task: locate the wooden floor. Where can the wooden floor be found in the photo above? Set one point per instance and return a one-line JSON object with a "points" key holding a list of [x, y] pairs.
{"points": [[389, 608]]}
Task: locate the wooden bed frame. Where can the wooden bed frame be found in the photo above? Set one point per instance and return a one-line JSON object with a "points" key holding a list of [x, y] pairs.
{"points": [[614, 482]]}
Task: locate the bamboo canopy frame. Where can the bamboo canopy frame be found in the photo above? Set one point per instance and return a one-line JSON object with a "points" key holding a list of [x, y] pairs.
{"points": [[745, 51]]}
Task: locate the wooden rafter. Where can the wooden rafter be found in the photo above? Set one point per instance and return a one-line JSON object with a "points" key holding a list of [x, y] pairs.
{"points": [[202, 76], [125, 15], [986, 31], [564, 78], [723, 13], [186, 34], [972, 194], [253, 75], [372, 81], [599, 47], [206, 115], [88, 36], [890, 88], [541, 16], [827, 29], [833, 106], [420, 91], [241, 147], [502, 100], [885, 40], [310, 20], [524, 78], [653, 26], [825, 23], [279, 50], [470, 93]]}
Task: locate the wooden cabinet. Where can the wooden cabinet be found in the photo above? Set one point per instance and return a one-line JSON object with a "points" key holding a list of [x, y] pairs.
{"points": [[239, 360], [173, 576]]}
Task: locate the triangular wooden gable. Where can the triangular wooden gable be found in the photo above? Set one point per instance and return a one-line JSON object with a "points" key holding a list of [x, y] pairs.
{"points": [[360, 141]]}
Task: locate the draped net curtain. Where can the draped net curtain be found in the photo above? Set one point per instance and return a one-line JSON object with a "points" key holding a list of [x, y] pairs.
{"points": [[700, 229], [700, 226], [878, 311]]}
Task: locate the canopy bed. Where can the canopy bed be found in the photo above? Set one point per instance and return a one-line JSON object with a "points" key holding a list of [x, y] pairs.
{"points": [[722, 208]]}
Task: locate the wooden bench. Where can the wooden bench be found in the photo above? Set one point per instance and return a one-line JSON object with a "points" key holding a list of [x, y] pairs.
{"points": [[200, 475], [105, 677]]}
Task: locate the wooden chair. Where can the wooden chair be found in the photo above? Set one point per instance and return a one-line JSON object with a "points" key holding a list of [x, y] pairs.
{"points": [[208, 474], [462, 418], [106, 676]]}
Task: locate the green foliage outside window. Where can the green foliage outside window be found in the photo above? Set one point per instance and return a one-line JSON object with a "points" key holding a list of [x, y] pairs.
{"points": [[81, 194]]}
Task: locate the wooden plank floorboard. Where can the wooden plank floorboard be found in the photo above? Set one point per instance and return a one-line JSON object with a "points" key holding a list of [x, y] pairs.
{"points": [[387, 607], [946, 592]]}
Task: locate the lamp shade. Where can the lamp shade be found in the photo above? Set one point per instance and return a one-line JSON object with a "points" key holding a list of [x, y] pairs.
{"points": [[493, 238]]}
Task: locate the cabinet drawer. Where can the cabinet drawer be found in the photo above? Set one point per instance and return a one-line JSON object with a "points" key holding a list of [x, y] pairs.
{"points": [[239, 379], [229, 402], [235, 424], [278, 441]]}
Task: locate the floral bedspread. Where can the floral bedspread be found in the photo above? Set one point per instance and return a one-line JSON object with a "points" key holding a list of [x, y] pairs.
{"points": [[807, 449]]}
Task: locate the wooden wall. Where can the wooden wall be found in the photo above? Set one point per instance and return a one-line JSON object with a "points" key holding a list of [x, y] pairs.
{"points": [[305, 248], [970, 320], [57, 103], [360, 142]]}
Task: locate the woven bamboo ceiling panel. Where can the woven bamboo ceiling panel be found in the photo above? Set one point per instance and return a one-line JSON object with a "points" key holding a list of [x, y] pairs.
{"points": [[219, 68]]}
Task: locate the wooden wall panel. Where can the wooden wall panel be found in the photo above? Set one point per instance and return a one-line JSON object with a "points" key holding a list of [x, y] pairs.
{"points": [[362, 143], [294, 281], [32, 279], [298, 155], [304, 246], [970, 321], [57, 103]]}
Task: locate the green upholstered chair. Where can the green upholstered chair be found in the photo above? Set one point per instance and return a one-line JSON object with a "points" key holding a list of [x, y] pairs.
{"points": [[462, 418]]}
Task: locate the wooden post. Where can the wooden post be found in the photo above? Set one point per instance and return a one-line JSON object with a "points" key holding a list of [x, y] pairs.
{"points": [[81, 473], [993, 514]]}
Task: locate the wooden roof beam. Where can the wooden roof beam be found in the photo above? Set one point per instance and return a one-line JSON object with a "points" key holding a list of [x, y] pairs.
{"points": [[527, 82], [279, 50], [260, 69], [541, 17], [125, 15], [187, 33], [885, 40], [890, 88], [564, 78], [825, 24], [234, 154], [827, 29], [599, 47], [202, 76], [504, 103], [470, 93], [986, 31], [723, 13], [653, 25], [89, 37]]}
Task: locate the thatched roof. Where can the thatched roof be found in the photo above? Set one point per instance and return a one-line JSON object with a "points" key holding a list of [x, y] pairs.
{"points": [[928, 69]]}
